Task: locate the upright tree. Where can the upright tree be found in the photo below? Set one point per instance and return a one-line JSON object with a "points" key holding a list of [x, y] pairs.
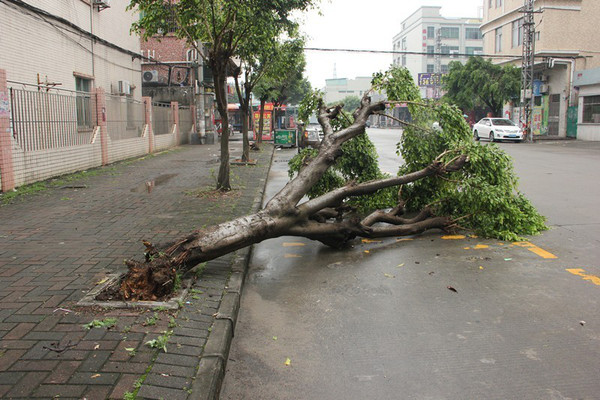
{"points": [[479, 82], [265, 55], [223, 25]]}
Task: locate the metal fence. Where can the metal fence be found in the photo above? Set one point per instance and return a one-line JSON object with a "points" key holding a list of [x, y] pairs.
{"points": [[125, 117], [162, 118], [42, 119], [186, 120]]}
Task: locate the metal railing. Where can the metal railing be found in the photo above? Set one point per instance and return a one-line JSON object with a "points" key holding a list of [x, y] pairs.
{"points": [[162, 118], [125, 117], [41, 119]]}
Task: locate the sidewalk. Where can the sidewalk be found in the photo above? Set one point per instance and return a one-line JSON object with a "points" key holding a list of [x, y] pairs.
{"points": [[58, 244]]}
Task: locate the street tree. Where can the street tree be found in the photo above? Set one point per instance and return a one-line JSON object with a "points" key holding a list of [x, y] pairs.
{"points": [[447, 182], [479, 82], [267, 54], [222, 25], [285, 81]]}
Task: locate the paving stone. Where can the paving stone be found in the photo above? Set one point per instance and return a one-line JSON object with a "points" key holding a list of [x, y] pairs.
{"points": [[158, 392], [124, 385], [95, 361], [27, 384], [19, 331], [176, 370], [63, 371], [176, 359], [171, 381], [94, 378], [59, 391]]}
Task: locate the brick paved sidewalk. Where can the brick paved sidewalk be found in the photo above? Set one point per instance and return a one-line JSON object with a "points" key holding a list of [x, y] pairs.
{"points": [[58, 244]]}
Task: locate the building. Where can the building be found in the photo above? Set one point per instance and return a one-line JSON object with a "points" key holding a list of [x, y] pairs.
{"points": [[426, 33], [338, 88], [71, 91], [565, 48], [76, 45]]}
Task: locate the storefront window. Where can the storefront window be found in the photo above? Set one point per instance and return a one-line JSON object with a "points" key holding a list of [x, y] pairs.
{"points": [[591, 109]]}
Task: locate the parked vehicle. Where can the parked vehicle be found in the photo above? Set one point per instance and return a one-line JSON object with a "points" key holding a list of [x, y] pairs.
{"points": [[496, 129], [311, 136]]}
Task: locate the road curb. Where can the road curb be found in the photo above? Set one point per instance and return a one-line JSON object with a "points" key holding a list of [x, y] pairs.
{"points": [[211, 369]]}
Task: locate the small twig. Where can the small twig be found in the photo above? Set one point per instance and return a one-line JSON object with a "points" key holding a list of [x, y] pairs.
{"points": [[57, 348], [404, 122]]}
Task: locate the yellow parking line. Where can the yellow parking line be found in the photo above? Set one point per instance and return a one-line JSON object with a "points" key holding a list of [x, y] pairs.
{"points": [[534, 249], [293, 244], [581, 272]]}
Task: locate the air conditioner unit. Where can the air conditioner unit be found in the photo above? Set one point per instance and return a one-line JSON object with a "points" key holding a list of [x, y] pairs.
{"points": [[102, 3], [453, 53], [544, 88], [124, 87], [545, 78], [477, 52], [150, 76]]}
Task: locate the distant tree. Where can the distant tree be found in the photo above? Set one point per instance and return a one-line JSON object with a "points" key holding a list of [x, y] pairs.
{"points": [[350, 103], [224, 25], [479, 82], [286, 80]]}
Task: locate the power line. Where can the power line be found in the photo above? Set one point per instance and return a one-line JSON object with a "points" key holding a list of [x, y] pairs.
{"points": [[417, 53]]}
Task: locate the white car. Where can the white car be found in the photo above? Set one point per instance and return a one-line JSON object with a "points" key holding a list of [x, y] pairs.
{"points": [[497, 129]]}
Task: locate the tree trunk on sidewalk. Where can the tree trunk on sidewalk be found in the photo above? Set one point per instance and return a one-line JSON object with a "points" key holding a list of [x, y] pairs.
{"points": [[325, 218], [220, 74]]}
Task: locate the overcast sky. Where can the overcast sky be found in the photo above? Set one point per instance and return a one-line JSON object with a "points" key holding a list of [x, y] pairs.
{"points": [[363, 24]]}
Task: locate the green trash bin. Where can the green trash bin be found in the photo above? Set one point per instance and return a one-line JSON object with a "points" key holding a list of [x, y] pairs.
{"points": [[285, 137]]}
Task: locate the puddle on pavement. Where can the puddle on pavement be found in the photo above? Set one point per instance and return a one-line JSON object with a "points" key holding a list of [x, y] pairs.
{"points": [[148, 186]]}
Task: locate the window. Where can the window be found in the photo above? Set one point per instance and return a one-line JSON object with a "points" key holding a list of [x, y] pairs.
{"points": [[444, 69], [449, 49], [430, 51], [404, 43], [430, 68], [517, 33], [591, 109], [498, 3], [83, 102], [473, 50], [490, 4], [449, 32], [472, 33], [404, 60], [498, 40], [430, 32]]}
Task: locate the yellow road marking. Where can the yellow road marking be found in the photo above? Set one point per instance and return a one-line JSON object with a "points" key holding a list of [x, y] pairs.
{"points": [[534, 249], [453, 237], [403, 240], [581, 272], [371, 241], [481, 246], [293, 244], [288, 255]]}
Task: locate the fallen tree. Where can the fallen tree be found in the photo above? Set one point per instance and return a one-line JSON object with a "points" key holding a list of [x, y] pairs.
{"points": [[342, 193]]}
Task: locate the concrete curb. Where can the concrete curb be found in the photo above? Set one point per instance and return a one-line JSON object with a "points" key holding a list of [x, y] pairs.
{"points": [[211, 370]]}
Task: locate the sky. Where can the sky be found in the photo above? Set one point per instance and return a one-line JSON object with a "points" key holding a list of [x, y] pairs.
{"points": [[363, 24]]}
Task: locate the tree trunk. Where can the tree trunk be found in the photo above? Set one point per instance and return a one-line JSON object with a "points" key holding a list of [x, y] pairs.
{"points": [[324, 218], [220, 75], [261, 120]]}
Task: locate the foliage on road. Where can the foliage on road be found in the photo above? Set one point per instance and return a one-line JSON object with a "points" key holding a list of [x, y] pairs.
{"points": [[482, 197]]}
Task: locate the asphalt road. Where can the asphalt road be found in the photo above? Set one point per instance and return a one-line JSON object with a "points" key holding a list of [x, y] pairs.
{"points": [[378, 321]]}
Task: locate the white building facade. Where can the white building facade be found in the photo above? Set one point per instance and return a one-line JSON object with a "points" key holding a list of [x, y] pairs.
{"points": [[425, 33], [338, 88], [72, 45]]}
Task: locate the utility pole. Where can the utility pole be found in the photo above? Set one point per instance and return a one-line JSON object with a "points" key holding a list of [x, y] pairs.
{"points": [[438, 64], [527, 62]]}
